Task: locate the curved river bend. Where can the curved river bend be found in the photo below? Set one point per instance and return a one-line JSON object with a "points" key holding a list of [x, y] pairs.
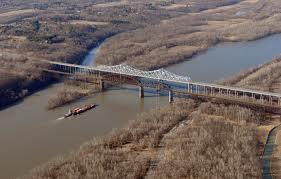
{"points": [[30, 135]]}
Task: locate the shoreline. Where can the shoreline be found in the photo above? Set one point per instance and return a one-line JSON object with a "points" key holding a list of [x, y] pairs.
{"points": [[258, 130], [34, 86], [198, 51], [140, 150], [140, 146], [199, 31], [46, 84]]}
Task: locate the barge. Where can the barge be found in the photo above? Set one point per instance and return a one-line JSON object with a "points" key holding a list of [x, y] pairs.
{"points": [[79, 110]]}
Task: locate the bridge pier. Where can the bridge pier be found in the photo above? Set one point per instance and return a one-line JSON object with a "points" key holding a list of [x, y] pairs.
{"points": [[233, 94], [101, 84], [171, 96], [141, 92]]}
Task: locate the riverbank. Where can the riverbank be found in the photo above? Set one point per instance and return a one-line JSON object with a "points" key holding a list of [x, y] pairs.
{"points": [[58, 137], [155, 150], [53, 33], [203, 125], [15, 87], [71, 91], [46, 35], [220, 33], [21, 78], [265, 77], [177, 39]]}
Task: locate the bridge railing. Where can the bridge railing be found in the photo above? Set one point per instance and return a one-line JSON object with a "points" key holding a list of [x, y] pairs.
{"points": [[172, 82], [238, 94]]}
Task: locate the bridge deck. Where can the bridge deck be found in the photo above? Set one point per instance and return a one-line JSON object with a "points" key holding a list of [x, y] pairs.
{"points": [[174, 82]]}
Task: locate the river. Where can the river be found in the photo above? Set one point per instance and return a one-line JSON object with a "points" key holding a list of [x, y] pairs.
{"points": [[30, 135]]}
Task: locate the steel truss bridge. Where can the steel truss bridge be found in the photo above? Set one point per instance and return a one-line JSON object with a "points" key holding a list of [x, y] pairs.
{"points": [[166, 81]]}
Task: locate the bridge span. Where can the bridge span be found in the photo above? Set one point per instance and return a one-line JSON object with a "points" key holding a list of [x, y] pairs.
{"points": [[166, 81]]}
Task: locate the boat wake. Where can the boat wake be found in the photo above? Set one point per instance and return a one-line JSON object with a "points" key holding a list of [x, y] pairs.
{"points": [[59, 119]]}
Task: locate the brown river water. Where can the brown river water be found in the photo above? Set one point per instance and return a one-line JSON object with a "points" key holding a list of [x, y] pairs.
{"points": [[30, 135]]}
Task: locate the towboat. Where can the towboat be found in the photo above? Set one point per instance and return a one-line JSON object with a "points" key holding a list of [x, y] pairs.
{"points": [[79, 110]]}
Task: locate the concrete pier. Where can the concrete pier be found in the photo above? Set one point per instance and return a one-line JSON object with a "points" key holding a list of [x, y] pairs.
{"points": [[141, 92], [102, 86], [171, 96], [271, 101]]}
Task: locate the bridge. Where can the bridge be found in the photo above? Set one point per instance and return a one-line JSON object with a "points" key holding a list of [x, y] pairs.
{"points": [[166, 81]]}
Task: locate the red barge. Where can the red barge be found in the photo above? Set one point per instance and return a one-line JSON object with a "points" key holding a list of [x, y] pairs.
{"points": [[79, 110]]}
